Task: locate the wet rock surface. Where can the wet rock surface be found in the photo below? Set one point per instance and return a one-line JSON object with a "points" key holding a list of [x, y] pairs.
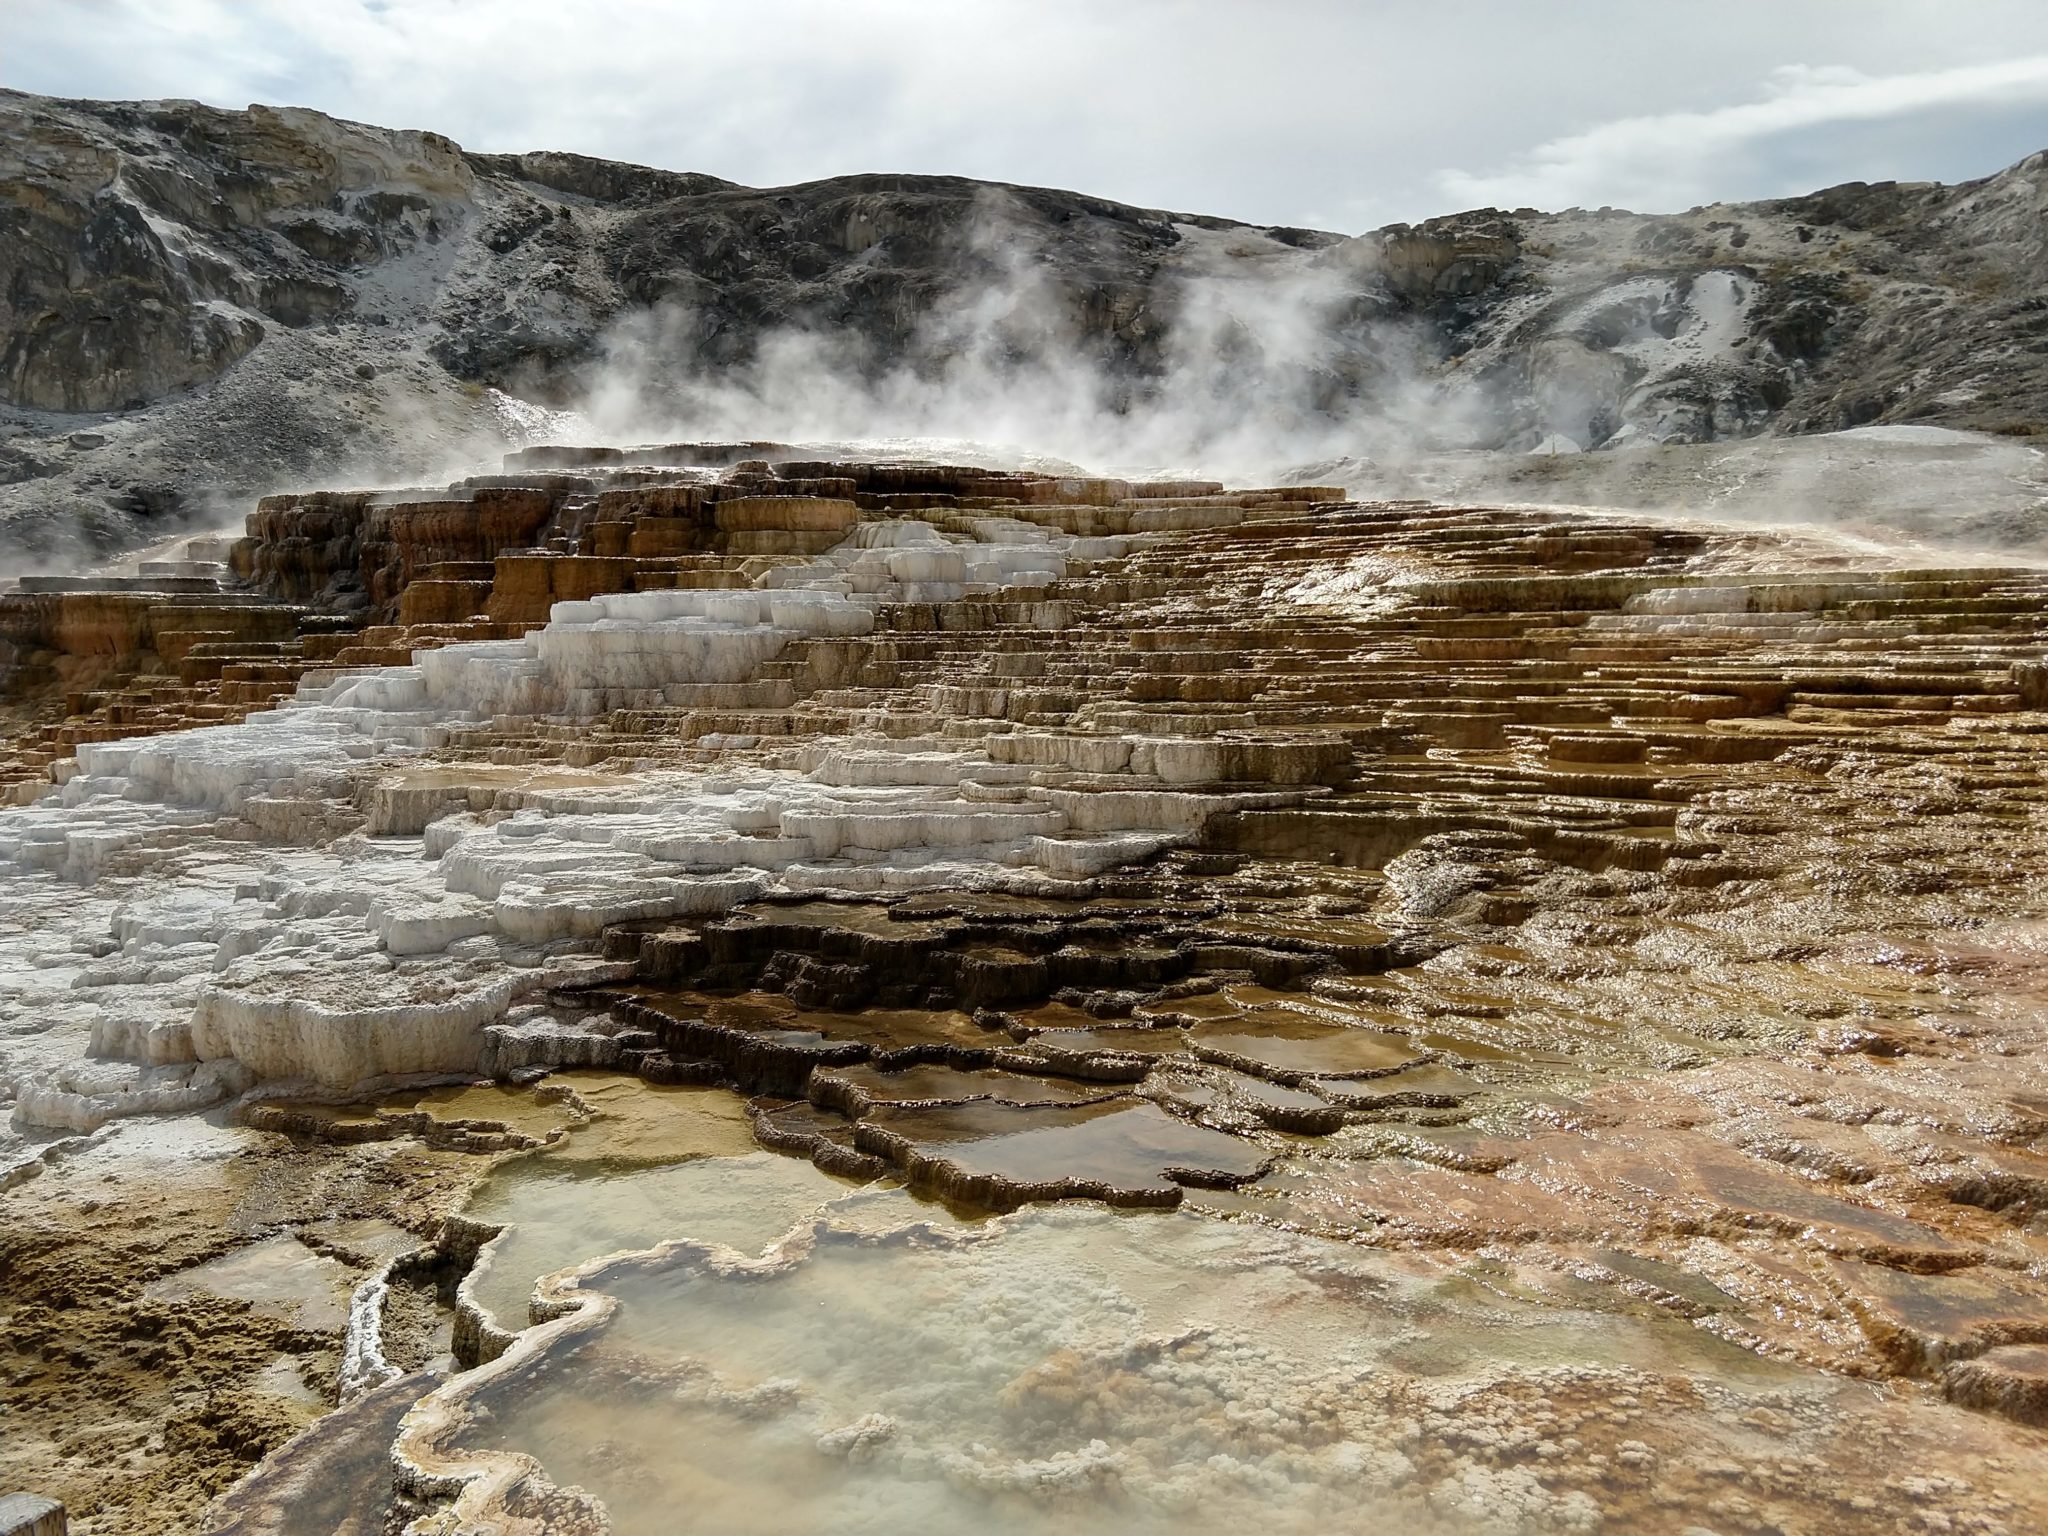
{"points": [[165, 1331], [1586, 969], [1155, 1372]]}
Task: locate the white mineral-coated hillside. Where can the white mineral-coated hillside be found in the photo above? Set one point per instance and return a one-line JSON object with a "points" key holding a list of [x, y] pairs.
{"points": [[341, 961]]}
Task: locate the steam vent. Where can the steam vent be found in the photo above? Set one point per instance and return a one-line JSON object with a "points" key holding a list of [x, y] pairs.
{"points": [[704, 988]]}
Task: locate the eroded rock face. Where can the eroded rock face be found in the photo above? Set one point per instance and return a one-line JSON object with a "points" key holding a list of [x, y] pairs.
{"points": [[258, 297], [104, 312], [1584, 919]]}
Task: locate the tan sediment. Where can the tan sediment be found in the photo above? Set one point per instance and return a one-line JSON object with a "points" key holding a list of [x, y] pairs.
{"points": [[1605, 914]]}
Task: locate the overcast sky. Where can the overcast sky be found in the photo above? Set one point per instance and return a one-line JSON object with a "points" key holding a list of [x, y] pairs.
{"points": [[1339, 114]]}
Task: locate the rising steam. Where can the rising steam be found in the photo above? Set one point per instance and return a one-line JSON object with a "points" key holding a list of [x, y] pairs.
{"points": [[1250, 356]]}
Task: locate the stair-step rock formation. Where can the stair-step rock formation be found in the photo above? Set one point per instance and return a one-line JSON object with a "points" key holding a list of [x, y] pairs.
{"points": [[1634, 899], [335, 580]]}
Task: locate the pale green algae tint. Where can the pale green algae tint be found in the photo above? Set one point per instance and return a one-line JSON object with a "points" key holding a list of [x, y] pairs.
{"points": [[786, 1352], [559, 1217], [1068, 1368], [652, 1163]]}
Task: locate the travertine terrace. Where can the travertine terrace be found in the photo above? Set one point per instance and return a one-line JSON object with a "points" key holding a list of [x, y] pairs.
{"points": [[1570, 984]]}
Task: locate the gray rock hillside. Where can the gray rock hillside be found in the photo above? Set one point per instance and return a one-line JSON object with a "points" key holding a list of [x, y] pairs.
{"points": [[197, 303]]}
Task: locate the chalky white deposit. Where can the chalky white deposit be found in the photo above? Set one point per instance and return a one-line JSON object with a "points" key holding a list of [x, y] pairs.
{"points": [[388, 952]]}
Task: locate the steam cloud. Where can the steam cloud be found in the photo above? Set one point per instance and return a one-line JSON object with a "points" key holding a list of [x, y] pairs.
{"points": [[1259, 357], [1246, 360]]}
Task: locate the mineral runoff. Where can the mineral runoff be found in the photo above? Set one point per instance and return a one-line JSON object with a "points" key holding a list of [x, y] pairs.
{"points": [[1609, 911]]}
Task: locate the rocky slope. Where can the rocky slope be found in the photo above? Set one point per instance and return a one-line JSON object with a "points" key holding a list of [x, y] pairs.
{"points": [[196, 305]]}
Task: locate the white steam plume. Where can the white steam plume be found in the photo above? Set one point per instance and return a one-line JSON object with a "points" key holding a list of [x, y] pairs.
{"points": [[1260, 356]]}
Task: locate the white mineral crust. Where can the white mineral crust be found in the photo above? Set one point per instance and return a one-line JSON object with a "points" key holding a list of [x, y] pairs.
{"points": [[342, 960]]}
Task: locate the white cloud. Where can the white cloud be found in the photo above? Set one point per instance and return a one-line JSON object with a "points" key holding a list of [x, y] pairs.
{"points": [[1671, 160]]}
